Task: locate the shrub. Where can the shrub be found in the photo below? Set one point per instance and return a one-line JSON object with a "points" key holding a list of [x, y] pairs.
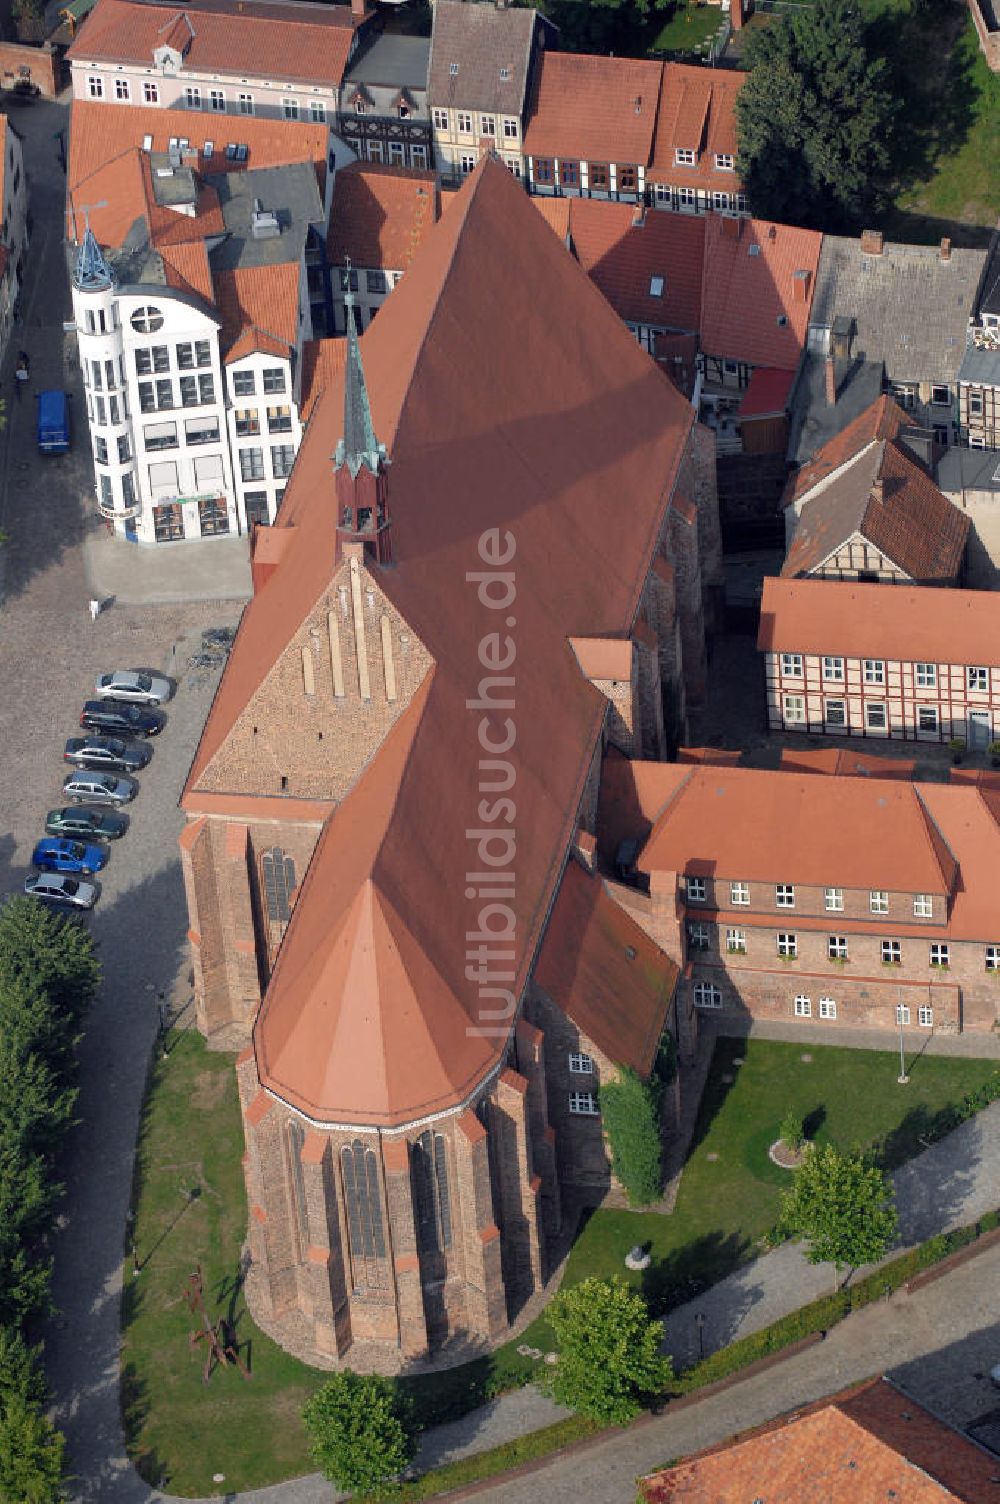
{"points": [[361, 1430], [609, 1351], [791, 1131], [631, 1110]]}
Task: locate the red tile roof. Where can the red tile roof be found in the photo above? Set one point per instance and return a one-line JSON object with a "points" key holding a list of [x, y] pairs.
{"points": [[908, 623], [767, 394], [259, 308], [867, 1444], [765, 826], [882, 420], [301, 42], [380, 216], [750, 284], [623, 257], [718, 757], [100, 132], [891, 500], [845, 763], [606, 974], [322, 366], [697, 112], [481, 427], [186, 267], [122, 196], [592, 109]]}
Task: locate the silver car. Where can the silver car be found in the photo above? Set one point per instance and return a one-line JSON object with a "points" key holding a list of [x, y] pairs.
{"points": [[57, 887], [91, 786], [134, 685]]}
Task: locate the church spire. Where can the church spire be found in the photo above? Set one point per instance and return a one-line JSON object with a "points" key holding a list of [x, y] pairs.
{"points": [[358, 446], [91, 273]]}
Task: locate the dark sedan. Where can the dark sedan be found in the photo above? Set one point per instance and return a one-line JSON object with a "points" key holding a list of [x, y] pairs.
{"points": [[119, 718], [106, 752], [86, 824]]}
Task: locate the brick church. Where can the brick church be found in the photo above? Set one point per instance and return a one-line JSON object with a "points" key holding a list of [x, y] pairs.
{"points": [[492, 565]]}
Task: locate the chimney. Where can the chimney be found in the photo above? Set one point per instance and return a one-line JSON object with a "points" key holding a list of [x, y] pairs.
{"points": [[736, 14], [878, 490], [358, 10], [800, 287], [830, 373], [638, 216], [872, 242], [945, 251]]}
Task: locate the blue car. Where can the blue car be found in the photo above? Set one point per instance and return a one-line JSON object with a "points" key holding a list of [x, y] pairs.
{"points": [[68, 856]]}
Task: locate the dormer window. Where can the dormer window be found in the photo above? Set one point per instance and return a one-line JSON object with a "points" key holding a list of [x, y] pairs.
{"points": [[404, 110], [684, 156], [360, 107], [725, 161]]}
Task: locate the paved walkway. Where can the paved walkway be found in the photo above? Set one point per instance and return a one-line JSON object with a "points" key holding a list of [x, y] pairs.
{"points": [[213, 569]]}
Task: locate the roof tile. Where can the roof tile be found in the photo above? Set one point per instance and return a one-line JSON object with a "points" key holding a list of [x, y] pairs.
{"points": [[594, 109]]}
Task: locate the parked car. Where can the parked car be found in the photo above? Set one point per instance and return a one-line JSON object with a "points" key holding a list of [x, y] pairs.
{"points": [[53, 422], [87, 824], [106, 752], [55, 887], [133, 685], [89, 785], [120, 718], [60, 855]]}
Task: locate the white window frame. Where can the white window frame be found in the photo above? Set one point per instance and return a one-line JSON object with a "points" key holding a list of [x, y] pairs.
{"points": [[977, 680], [791, 665], [123, 91], [827, 1007], [873, 710], [803, 1006], [151, 92], [874, 669], [725, 161], [993, 957], [707, 995], [836, 947], [892, 953], [695, 889], [440, 119], [937, 400], [698, 936], [976, 404], [833, 900], [939, 953], [794, 709], [217, 101], [95, 86], [467, 162], [463, 122], [684, 156], [290, 109], [923, 906], [583, 1104], [580, 1064], [739, 894], [317, 111], [192, 97], [736, 942], [835, 712], [903, 1013], [511, 128], [488, 126], [784, 895], [246, 103], [925, 675], [927, 718], [878, 901], [787, 945], [833, 670], [925, 1016]]}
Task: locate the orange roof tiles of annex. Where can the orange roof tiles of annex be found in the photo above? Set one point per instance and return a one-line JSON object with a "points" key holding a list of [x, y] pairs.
{"points": [[120, 194], [482, 433], [303, 42], [754, 306], [592, 109], [99, 132], [901, 623], [623, 258], [264, 299], [697, 112], [380, 216], [869, 1445]]}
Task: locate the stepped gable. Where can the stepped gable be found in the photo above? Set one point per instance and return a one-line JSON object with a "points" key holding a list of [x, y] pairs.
{"points": [[545, 435]]}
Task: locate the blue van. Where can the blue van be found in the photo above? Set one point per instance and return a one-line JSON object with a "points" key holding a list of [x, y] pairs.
{"points": [[53, 422]]}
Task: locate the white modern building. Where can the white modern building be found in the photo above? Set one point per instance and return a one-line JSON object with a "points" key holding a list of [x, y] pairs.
{"points": [[191, 356]]}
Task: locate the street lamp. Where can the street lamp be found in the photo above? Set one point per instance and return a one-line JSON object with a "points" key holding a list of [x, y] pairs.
{"points": [[699, 1322], [902, 1078]]}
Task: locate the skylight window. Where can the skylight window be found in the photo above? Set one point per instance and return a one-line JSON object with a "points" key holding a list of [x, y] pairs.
{"points": [[504, 75], [753, 250], [453, 69], [656, 286]]}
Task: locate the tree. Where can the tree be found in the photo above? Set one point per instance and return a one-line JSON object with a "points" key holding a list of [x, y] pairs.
{"points": [[813, 118], [31, 1453], [843, 1205], [631, 1112], [609, 1350], [790, 1130], [362, 1432]]}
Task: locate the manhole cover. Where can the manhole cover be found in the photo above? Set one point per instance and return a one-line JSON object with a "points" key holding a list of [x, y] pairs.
{"points": [[711, 1158], [806, 1059]]}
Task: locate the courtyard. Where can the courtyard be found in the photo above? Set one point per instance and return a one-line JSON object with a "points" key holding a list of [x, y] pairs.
{"points": [[189, 1211]]}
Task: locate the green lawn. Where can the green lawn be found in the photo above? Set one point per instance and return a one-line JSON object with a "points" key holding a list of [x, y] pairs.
{"points": [[181, 1432], [687, 28]]}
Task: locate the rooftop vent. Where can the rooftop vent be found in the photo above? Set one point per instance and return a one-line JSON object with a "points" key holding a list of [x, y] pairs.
{"points": [[638, 104], [264, 223]]}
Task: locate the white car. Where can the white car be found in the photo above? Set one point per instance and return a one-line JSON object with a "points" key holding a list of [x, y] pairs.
{"points": [[56, 887], [91, 786], [133, 685]]}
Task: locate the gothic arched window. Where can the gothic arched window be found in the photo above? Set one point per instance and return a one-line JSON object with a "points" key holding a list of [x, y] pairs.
{"points": [[296, 1140], [364, 1212], [278, 875], [431, 1199]]}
